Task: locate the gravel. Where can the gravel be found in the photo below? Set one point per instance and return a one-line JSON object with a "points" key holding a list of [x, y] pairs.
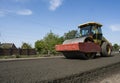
{"points": [[112, 79]]}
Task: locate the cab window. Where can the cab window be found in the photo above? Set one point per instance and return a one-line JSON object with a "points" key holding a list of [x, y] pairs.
{"points": [[96, 30], [85, 31]]}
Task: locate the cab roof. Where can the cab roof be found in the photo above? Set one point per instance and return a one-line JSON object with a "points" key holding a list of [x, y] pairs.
{"points": [[89, 23]]}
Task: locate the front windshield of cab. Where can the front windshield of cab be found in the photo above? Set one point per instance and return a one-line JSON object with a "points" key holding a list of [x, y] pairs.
{"points": [[90, 30], [85, 31]]}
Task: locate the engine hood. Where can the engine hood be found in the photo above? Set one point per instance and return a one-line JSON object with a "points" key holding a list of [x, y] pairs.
{"points": [[75, 40]]}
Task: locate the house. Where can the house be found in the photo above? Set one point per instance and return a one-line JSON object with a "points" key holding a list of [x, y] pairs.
{"points": [[11, 49], [8, 46]]}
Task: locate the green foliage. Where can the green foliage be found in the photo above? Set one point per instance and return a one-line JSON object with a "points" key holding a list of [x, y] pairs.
{"points": [[47, 44], [26, 46], [70, 35], [40, 46], [115, 46]]}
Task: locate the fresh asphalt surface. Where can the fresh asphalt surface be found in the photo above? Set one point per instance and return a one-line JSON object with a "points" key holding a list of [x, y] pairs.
{"points": [[36, 70]]}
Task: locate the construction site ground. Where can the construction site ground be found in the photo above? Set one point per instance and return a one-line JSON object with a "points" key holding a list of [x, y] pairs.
{"points": [[61, 70]]}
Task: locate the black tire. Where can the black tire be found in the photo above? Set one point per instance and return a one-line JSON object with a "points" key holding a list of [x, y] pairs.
{"points": [[106, 49], [69, 55], [89, 56]]}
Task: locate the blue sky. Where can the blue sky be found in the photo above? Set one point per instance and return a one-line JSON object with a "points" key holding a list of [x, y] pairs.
{"points": [[30, 20]]}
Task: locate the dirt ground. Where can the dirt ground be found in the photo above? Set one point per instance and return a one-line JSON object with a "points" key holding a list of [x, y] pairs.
{"points": [[112, 79]]}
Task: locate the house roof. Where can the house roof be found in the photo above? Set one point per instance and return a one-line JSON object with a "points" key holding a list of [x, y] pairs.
{"points": [[7, 45]]}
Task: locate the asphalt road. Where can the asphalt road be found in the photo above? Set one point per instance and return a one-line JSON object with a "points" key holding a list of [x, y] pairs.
{"points": [[36, 70]]}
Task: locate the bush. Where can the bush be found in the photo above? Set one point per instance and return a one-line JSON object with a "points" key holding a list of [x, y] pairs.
{"points": [[18, 56]]}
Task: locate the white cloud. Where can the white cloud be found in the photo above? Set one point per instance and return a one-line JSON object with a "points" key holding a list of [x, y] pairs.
{"points": [[54, 4], [20, 0], [24, 12], [115, 27], [4, 12]]}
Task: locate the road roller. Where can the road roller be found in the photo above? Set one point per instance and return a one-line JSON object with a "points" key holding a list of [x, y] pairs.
{"points": [[88, 42]]}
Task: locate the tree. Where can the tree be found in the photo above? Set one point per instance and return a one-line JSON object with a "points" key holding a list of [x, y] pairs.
{"points": [[116, 46], [40, 46], [70, 35], [26, 46], [51, 40], [47, 44]]}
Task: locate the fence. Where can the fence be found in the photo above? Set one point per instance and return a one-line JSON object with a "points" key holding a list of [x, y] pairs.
{"points": [[17, 52]]}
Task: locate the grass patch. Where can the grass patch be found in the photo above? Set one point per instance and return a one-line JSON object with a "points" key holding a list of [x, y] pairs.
{"points": [[6, 57], [26, 56]]}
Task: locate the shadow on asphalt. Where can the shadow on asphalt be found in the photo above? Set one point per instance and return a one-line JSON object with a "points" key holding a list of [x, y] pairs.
{"points": [[96, 57]]}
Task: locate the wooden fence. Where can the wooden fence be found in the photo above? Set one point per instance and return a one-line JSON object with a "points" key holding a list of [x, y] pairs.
{"points": [[17, 52]]}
